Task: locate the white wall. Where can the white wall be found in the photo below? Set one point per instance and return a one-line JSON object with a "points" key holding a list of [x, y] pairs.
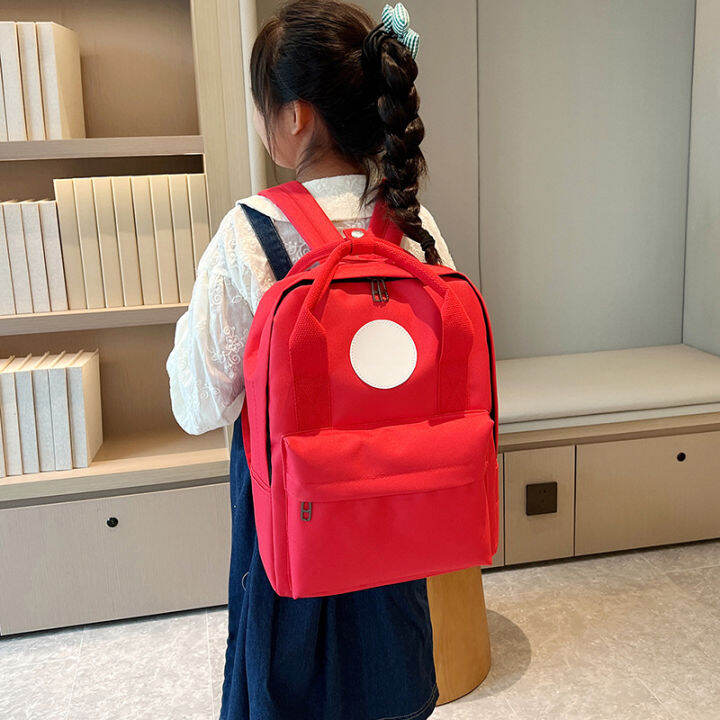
{"points": [[702, 284], [584, 123]]}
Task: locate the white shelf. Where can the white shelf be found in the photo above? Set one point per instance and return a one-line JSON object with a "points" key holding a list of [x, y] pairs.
{"points": [[131, 461], [102, 147], [64, 320]]}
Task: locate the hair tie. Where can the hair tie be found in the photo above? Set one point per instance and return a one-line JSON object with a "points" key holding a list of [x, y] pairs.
{"points": [[396, 22]]}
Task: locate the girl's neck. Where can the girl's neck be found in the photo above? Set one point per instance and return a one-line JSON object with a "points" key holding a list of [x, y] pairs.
{"points": [[326, 167]]}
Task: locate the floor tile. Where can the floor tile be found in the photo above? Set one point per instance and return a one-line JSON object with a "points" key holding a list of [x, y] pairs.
{"points": [[32, 648], [37, 692], [149, 668], [705, 553]]}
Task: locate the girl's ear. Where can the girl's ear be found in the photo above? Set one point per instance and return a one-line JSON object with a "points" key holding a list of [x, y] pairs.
{"points": [[303, 117]]}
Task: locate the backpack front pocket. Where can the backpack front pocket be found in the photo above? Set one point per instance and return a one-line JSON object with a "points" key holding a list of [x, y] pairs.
{"points": [[373, 506]]}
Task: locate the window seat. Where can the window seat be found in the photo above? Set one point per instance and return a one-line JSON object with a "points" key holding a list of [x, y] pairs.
{"points": [[608, 386]]}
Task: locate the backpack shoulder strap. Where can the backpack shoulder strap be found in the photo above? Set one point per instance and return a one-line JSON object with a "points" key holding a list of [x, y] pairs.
{"points": [[270, 241], [303, 211], [382, 226]]}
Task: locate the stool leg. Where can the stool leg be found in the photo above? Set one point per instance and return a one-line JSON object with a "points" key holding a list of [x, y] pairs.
{"points": [[460, 632]]}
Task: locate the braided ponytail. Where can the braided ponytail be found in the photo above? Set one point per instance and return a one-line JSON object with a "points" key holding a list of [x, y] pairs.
{"points": [[390, 65]]}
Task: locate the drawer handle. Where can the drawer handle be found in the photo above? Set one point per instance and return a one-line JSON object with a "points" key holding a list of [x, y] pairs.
{"points": [[681, 456], [112, 522]]}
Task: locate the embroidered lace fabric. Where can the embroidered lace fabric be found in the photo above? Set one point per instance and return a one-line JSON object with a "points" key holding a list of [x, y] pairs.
{"points": [[205, 364]]}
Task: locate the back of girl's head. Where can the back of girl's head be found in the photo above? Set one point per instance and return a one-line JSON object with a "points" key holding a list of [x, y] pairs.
{"points": [[361, 82]]}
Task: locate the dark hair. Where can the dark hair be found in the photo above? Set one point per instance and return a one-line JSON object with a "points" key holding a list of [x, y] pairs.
{"points": [[361, 81]]}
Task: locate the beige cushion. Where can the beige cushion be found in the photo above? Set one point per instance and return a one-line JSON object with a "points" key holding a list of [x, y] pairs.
{"points": [[601, 383]]}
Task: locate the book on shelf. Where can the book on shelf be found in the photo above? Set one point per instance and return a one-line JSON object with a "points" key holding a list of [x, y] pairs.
{"points": [[26, 414], [9, 411], [70, 243], [37, 269], [107, 240], [164, 243], [83, 377], [60, 411], [126, 241], [199, 214], [182, 234], [12, 81], [18, 256], [59, 53], [3, 123], [43, 411], [30, 76], [145, 240], [7, 297], [89, 246], [53, 254], [3, 465]]}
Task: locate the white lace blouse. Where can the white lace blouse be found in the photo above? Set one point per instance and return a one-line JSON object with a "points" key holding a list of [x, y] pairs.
{"points": [[205, 364]]}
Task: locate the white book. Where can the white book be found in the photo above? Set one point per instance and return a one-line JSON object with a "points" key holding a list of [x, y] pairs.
{"points": [[26, 414], [3, 124], [43, 412], [107, 240], [59, 53], [182, 235], [60, 410], [12, 81], [89, 245], [30, 73], [83, 375], [127, 241], [199, 216], [10, 419], [35, 256], [18, 257], [70, 243], [3, 471], [164, 244], [53, 254], [147, 256], [7, 297]]}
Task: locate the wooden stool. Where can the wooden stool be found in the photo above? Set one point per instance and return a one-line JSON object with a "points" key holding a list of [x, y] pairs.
{"points": [[460, 632]]}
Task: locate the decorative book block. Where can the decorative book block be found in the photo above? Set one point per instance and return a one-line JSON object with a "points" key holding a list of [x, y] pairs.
{"points": [[50, 412], [19, 272], [37, 270], [30, 76], [12, 82]]}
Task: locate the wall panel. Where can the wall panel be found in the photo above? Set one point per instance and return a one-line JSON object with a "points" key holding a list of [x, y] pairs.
{"points": [[584, 122]]}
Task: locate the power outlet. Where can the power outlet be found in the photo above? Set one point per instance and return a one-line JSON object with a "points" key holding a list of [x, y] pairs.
{"points": [[541, 498]]}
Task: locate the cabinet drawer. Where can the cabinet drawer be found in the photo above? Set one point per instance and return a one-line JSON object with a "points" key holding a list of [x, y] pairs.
{"points": [[529, 538], [650, 491], [70, 563]]}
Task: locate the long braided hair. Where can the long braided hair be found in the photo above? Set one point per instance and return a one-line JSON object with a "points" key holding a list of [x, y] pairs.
{"points": [[361, 81]]}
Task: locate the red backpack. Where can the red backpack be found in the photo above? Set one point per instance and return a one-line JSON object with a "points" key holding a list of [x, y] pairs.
{"points": [[370, 419]]}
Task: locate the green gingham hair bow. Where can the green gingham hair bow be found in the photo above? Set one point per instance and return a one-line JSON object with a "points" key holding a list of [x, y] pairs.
{"points": [[396, 21]]}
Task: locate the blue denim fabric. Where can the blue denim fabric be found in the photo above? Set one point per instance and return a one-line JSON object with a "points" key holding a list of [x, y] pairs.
{"points": [[364, 655]]}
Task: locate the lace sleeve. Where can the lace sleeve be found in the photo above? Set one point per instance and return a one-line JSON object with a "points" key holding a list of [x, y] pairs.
{"points": [[205, 364]]}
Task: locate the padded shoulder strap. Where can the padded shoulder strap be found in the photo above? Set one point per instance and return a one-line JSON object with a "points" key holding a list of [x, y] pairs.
{"points": [[303, 211], [382, 226]]}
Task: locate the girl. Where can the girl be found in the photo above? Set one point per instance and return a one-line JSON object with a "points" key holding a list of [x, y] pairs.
{"points": [[336, 101]]}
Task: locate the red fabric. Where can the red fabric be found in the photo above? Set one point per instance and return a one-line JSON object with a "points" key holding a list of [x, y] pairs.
{"points": [[394, 484]]}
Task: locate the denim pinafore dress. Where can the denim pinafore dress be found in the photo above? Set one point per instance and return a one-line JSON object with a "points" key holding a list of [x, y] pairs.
{"points": [[364, 655]]}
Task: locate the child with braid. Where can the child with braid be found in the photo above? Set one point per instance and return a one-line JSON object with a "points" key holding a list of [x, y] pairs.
{"points": [[335, 101]]}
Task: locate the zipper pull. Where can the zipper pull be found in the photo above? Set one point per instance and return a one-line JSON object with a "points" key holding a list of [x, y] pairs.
{"points": [[305, 511], [378, 290]]}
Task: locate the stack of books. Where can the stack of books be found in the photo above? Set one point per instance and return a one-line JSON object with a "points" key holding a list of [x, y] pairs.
{"points": [[131, 240], [32, 278], [40, 85], [50, 413]]}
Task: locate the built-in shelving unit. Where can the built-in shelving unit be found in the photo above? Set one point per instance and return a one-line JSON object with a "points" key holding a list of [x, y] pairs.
{"points": [[102, 147], [66, 320]]}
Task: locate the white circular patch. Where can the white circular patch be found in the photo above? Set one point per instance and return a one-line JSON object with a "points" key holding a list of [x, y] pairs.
{"points": [[383, 354]]}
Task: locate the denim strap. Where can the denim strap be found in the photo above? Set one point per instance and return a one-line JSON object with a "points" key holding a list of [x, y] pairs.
{"points": [[270, 241]]}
